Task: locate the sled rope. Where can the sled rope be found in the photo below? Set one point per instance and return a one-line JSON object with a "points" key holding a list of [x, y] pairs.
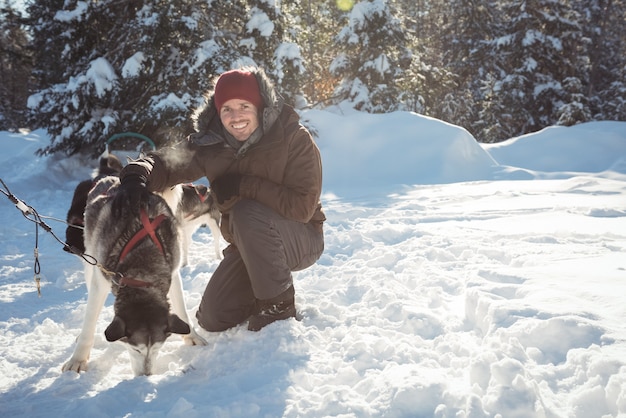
{"points": [[31, 214]]}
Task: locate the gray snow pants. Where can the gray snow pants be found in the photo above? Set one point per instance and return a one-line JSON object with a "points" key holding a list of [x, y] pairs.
{"points": [[267, 248]]}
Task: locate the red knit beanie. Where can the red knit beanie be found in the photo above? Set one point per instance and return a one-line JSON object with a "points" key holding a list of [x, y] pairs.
{"points": [[237, 84]]}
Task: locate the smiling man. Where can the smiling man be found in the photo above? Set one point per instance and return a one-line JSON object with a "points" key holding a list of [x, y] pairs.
{"points": [[265, 172], [238, 101]]}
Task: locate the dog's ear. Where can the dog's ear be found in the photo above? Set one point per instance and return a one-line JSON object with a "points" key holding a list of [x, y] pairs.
{"points": [[116, 329], [201, 189], [177, 325]]}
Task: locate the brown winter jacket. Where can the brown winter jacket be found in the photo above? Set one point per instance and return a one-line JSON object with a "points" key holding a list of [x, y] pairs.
{"points": [[283, 170]]}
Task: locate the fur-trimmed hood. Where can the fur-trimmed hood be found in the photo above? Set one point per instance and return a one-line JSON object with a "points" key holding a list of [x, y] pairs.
{"points": [[207, 123]]}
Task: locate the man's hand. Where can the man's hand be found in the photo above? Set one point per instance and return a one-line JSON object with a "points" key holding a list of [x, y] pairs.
{"points": [[131, 194], [226, 186]]}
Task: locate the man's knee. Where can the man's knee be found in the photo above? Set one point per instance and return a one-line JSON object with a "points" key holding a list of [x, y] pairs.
{"points": [[214, 317], [248, 213], [208, 320]]}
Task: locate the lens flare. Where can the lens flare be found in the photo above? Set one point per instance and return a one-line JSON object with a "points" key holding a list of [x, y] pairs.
{"points": [[345, 5]]}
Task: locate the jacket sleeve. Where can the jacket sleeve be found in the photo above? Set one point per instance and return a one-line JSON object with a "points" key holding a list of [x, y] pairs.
{"points": [[298, 196], [141, 167], [166, 167]]}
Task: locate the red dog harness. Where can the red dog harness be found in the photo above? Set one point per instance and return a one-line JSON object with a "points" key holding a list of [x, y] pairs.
{"points": [[149, 228]]}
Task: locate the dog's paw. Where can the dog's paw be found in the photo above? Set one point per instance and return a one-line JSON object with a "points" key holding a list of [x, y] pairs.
{"points": [[75, 365], [194, 339]]}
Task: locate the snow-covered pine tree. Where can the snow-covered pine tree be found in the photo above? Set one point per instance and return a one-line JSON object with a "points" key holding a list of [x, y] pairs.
{"points": [[312, 25], [420, 79], [47, 42], [496, 119], [603, 25], [576, 107], [537, 50], [372, 58], [135, 66], [465, 31], [267, 40], [15, 68]]}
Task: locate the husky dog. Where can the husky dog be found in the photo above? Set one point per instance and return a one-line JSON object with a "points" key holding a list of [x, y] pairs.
{"points": [[138, 258], [197, 208]]}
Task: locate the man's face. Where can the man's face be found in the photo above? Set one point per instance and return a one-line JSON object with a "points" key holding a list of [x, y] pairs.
{"points": [[240, 118]]}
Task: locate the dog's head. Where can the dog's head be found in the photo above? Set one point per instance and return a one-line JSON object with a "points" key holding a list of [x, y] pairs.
{"points": [[196, 201], [144, 328]]}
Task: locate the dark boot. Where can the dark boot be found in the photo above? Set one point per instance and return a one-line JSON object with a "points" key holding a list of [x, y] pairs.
{"points": [[269, 310]]}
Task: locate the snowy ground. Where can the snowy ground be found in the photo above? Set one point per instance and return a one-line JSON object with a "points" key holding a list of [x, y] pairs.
{"points": [[458, 280]]}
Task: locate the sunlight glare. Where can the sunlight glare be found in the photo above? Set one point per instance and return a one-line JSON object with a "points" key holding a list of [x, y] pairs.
{"points": [[345, 5]]}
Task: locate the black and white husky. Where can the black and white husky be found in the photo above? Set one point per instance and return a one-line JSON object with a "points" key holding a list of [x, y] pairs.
{"points": [[137, 257], [196, 208]]}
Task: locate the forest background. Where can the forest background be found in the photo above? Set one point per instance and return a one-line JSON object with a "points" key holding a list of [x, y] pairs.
{"points": [[84, 70]]}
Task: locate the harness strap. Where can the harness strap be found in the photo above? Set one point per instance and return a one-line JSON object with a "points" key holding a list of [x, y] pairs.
{"points": [[130, 282], [149, 228], [120, 280]]}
